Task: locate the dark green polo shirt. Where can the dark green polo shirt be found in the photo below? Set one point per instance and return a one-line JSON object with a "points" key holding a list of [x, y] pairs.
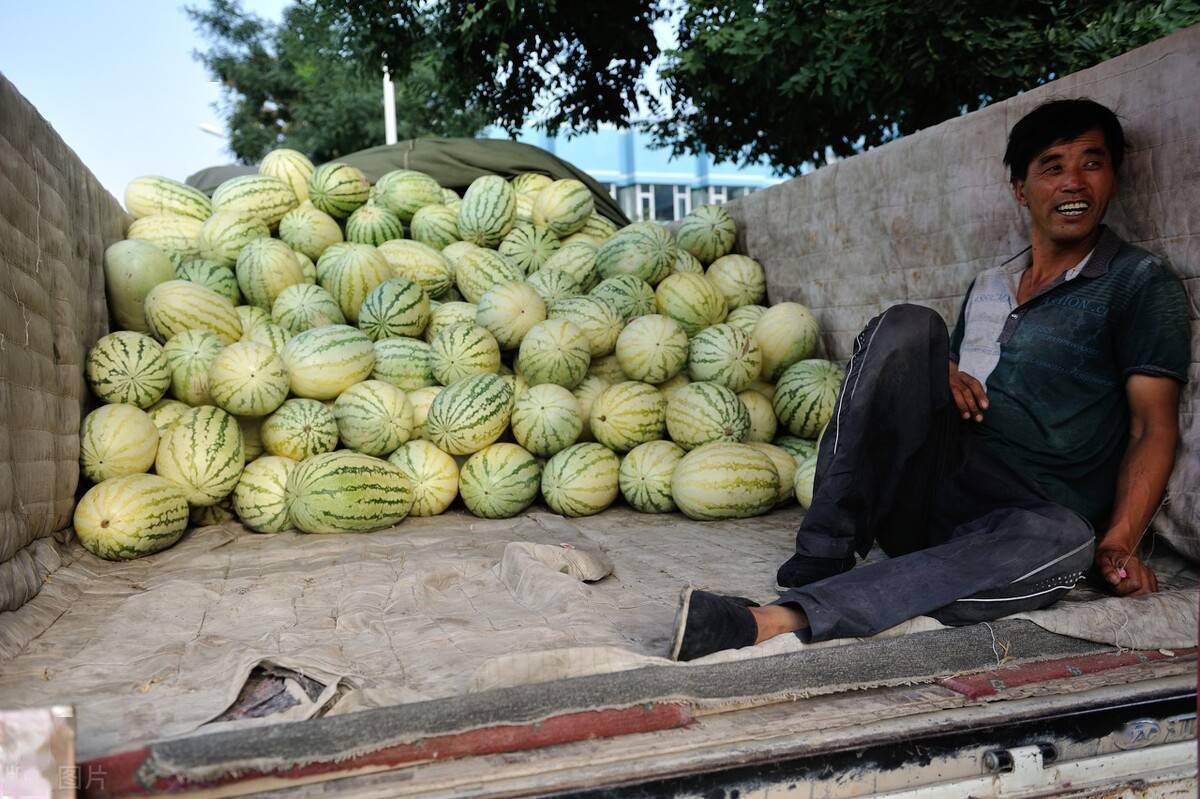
{"points": [[1055, 368]]}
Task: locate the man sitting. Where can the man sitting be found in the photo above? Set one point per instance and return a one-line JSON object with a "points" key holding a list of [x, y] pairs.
{"points": [[995, 466]]}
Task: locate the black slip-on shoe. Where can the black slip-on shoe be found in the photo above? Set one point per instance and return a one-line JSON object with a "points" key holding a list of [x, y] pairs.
{"points": [[801, 570], [707, 623]]}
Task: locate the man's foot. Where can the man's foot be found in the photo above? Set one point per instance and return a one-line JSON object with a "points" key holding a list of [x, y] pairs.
{"points": [[707, 623], [801, 570]]}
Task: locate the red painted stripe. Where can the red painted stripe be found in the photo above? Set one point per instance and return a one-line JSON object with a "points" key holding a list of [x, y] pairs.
{"points": [[118, 774], [991, 683]]}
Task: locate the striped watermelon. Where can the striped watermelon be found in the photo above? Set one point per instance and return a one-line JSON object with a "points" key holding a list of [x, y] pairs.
{"points": [[264, 196], [338, 189], [725, 355], [609, 369], [745, 317], [804, 480], [420, 399], [786, 333], [707, 233], [630, 296], [455, 250], [211, 515], [117, 440], [225, 233], [131, 269], [373, 417], [563, 207], [669, 387], [165, 413], [290, 166], [725, 480], [546, 419], [189, 355], [805, 396], [433, 474], [357, 270], [643, 249], [598, 320], [645, 476], [785, 466], [530, 183], [586, 393], [553, 284], [435, 226], [303, 307], [700, 413], [419, 263], [154, 194], [179, 305], [577, 259], [325, 361], [686, 264], [406, 363], [177, 236], [763, 387], [598, 227], [251, 427], [762, 416], [347, 492], [554, 351], [499, 481], [265, 267], [128, 367], [300, 429], [582, 480], [203, 454], [331, 258], [470, 414], [212, 276], [131, 516], [248, 379], [449, 313], [373, 224], [309, 230], [269, 335], [509, 311], [524, 209], [260, 498], [529, 247], [800, 448], [477, 270], [404, 192], [251, 316], [652, 349], [517, 383], [583, 238], [488, 211], [307, 266], [461, 351], [740, 280], [628, 414], [394, 308], [692, 301]]}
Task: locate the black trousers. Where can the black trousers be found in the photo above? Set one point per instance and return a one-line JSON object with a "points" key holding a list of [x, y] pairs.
{"points": [[968, 538]]}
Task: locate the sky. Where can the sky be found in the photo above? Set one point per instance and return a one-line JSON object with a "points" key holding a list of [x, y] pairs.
{"points": [[117, 80]]}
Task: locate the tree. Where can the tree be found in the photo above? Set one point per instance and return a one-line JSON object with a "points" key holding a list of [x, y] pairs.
{"points": [[300, 84]]}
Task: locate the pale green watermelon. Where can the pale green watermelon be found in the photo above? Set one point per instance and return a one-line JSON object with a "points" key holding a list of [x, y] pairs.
{"points": [[554, 351], [469, 415], [546, 419], [700, 413], [421, 264], [154, 194], [652, 349], [725, 355], [224, 234], [435, 226], [707, 233], [373, 417], [433, 474], [304, 307], [300, 429], [509, 311], [577, 259], [178, 237], [563, 207], [499, 481], [290, 166], [553, 284], [488, 211], [629, 295], [785, 465], [725, 480], [325, 361], [692, 301], [582, 480], [628, 414], [260, 498], [477, 271], [117, 440], [189, 355], [528, 247], [338, 189], [373, 224], [786, 333], [406, 363], [745, 317], [461, 351], [405, 191], [803, 481], [248, 379], [265, 267], [309, 230], [211, 275], [805, 396], [645, 476], [740, 280], [353, 273], [442, 315], [396, 307], [131, 516], [131, 269], [347, 492], [128, 367], [264, 196], [762, 416], [179, 305], [598, 320], [643, 249], [203, 454]]}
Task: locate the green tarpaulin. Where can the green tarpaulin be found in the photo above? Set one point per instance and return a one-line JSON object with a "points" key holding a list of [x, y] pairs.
{"points": [[454, 163]]}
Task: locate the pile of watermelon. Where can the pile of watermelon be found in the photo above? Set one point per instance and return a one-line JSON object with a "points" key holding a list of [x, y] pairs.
{"points": [[307, 351]]}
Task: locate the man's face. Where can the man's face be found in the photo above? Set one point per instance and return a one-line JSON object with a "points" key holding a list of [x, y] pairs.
{"points": [[1068, 188]]}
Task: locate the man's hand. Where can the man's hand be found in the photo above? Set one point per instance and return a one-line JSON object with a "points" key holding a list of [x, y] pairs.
{"points": [[969, 394], [1125, 574]]}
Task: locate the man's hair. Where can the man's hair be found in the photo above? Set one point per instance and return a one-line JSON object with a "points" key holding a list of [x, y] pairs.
{"points": [[1057, 121]]}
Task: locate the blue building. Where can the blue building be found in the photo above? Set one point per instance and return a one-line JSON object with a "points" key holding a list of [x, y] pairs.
{"points": [[648, 183]]}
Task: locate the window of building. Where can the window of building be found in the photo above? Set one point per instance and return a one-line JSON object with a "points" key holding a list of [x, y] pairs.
{"points": [[645, 202], [612, 190], [664, 203], [683, 202], [627, 199], [718, 195]]}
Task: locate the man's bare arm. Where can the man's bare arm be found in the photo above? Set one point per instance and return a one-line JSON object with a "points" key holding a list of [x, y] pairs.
{"points": [[1153, 435]]}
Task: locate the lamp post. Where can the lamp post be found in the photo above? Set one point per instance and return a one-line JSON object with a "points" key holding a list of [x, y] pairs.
{"points": [[389, 108]]}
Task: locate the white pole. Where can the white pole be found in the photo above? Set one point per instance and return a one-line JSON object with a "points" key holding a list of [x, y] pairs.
{"points": [[389, 108]]}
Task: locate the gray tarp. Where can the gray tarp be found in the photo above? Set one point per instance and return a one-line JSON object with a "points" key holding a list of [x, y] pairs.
{"points": [[454, 163]]}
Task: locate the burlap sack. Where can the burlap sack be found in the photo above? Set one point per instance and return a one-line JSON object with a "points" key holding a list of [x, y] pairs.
{"points": [[917, 219], [55, 222]]}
